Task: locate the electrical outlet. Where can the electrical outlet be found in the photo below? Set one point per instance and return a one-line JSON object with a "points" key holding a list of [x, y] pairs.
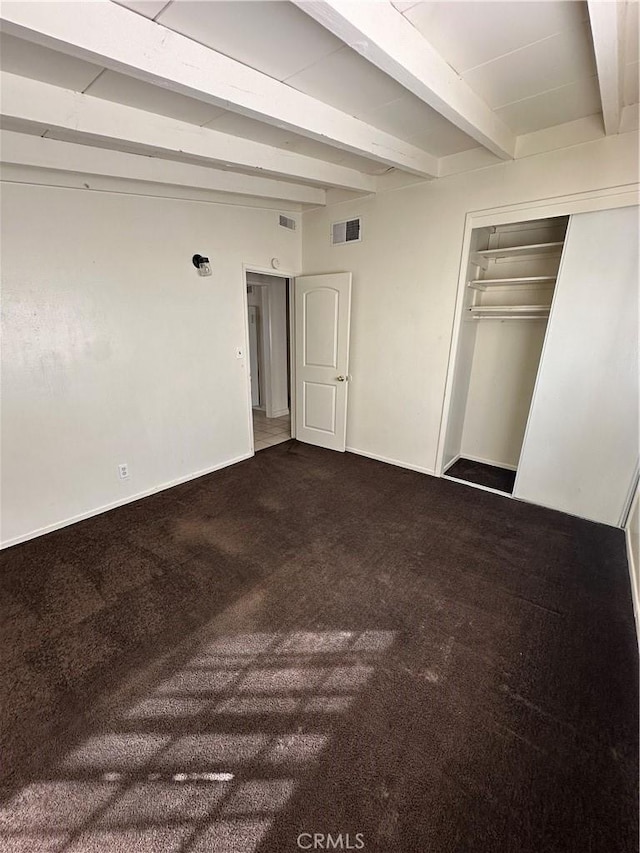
{"points": [[123, 471]]}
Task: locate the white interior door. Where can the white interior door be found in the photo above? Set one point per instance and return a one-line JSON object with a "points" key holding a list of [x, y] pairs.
{"points": [[322, 316], [580, 451]]}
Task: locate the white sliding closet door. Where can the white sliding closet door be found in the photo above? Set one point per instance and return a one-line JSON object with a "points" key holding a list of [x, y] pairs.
{"points": [[580, 450]]}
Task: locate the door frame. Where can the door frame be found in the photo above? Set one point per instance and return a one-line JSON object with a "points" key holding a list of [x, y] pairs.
{"points": [[605, 199], [291, 276]]}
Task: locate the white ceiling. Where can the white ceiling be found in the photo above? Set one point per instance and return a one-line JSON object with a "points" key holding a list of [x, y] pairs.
{"points": [[470, 34], [270, 36], [532, 63], [279, 40], [631, 69], [30, 60], [136, 93]]}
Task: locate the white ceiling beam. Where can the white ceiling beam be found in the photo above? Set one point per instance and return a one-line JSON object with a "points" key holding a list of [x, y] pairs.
{"points": [[21, 149], [119, 126], [606, 33], [383, 36], [116, 38]]}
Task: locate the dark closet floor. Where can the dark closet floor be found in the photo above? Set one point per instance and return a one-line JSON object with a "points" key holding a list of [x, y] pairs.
{"points": [[314, 642], [483, 475]]}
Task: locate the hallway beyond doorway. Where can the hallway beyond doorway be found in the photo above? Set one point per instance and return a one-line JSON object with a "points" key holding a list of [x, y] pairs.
{"points": [[270, 431]]}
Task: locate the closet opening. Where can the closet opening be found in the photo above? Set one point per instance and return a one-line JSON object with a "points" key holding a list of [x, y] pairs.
{"points": [[510, 281]]}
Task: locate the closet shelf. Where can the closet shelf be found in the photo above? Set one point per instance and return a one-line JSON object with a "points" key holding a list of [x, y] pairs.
{"points": [[526, 281], [512, 312], [514, 251]]}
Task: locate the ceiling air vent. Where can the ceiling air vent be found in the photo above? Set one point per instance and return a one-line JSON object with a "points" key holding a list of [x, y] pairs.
{"points": [[349, 231], [287, 222]]}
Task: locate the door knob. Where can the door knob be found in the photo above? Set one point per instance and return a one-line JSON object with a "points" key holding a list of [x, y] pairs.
{"points": [[339, 378]]}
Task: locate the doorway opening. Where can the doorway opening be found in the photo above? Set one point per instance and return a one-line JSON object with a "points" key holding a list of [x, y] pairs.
{"points": [[269, 316]]}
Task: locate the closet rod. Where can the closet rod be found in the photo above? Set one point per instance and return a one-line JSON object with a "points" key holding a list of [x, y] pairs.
{"points": [[531, 249], [508, 311], [531, 281], [510, 317]]}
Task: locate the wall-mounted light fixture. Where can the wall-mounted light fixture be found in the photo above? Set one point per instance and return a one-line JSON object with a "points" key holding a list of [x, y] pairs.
{"points": [[201, 264]]}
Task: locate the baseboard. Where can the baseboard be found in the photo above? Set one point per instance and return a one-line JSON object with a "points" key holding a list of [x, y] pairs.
{"points": [[397, 462], [633, 578], [49, 528], [477, 485], [451, 464], [488, 462], [279, 413]]}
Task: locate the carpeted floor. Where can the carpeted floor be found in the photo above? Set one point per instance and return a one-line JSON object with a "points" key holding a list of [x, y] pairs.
{"points": [[313, 642], [483, 474]]}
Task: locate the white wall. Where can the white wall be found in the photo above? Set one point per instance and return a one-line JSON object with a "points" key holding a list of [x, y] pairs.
{"points": [[405, 279], [505, 365], [114, 350]]}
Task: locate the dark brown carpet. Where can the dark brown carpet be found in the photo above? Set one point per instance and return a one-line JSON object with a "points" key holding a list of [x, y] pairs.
{"points": [[312, 642], [483, 474]]}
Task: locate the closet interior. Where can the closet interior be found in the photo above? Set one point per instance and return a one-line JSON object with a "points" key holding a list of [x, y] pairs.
{"points": [[510, 281]]}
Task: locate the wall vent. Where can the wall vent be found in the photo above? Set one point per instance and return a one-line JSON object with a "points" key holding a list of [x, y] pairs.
{"points": [[349, 231], [287, 222]]}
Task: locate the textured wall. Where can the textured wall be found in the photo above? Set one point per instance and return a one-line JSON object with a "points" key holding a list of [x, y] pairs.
{"points": [[115, 350], [405, 275]]}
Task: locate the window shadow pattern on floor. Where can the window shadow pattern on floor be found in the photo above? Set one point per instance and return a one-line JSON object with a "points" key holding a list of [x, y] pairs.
{"points": [[204, 761]]}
